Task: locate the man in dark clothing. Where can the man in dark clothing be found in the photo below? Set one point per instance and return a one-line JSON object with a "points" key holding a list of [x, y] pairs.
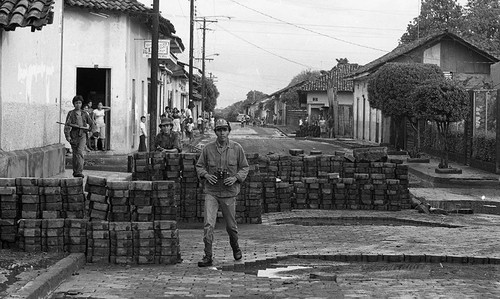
{"points": [[224, 166], [167, 141], [77, 124]]}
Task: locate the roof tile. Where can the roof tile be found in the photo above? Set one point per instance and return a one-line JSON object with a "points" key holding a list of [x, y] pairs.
{"points": [[25, 13]]}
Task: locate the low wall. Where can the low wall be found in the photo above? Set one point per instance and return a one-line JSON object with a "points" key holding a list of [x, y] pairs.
{"points": [[44, 214], [279, 183], [41, 162]]}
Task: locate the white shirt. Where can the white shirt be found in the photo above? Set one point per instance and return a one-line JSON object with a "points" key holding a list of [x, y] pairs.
{"points": [[143, 129], [188, 113], [99, 117]]}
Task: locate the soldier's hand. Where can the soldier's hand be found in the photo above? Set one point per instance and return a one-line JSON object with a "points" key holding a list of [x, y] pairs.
{"points": [[212, 179], [230, 181]]}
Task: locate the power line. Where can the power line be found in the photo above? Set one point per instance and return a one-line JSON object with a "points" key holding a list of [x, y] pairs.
{"points": [[259, 47], [307, 29]]}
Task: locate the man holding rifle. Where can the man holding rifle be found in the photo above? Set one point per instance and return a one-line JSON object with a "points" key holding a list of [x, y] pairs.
{"points": [[77, 124]]}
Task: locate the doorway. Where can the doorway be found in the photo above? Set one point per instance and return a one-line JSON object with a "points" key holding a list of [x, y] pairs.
{"points": [[93, 84]]}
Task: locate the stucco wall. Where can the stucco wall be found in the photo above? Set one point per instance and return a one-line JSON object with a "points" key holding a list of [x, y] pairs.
{"points": [[367, 121], [112, 43], [29, 86]]}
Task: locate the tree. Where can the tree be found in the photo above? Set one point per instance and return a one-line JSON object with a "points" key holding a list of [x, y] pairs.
{"points": [[435, 16], [483, 24], [211, 95], [291, 97], [389, 90], [443, 101]]}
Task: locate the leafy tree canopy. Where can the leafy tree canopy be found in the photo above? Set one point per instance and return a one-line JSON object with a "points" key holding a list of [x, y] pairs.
{"points": [[291, 97], [441, 100], [477, 22], [435, 16], [389, 89]]}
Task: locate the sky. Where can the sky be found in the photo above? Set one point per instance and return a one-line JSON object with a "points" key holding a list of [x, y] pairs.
{"points": [[263, 44]]}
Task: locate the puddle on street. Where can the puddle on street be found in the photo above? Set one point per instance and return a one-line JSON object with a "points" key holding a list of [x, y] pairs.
{"points": [[318, 269], [281, 272]]}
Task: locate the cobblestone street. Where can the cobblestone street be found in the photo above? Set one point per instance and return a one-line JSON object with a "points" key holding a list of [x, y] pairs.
{"points": [[475, 237]]}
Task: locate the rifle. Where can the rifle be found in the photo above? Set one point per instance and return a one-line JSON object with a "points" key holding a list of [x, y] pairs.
{"points": [[75, 126]]}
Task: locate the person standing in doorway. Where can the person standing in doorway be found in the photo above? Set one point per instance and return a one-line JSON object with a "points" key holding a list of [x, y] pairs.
{"points": [[224, 166], [331, 123], [77, 124], [101, 125], [144, 135]]}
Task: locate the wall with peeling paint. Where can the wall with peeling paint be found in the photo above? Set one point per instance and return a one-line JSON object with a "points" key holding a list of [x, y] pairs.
{"points": [[29, 86]]}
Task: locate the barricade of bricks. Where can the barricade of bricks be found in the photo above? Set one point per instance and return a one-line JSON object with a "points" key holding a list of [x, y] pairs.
{"points": [[10, 211]]}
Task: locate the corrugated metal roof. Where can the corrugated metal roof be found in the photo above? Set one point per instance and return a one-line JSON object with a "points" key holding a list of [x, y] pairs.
{"points": [[25, 13]]}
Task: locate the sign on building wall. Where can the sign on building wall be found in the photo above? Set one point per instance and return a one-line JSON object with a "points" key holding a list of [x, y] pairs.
{"points": [[163, 49]]}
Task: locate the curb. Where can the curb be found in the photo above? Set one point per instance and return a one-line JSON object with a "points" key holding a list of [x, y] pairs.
{"points": [[44, 284], [439, 182]]}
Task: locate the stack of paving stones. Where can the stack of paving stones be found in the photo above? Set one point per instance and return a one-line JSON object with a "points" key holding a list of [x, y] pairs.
{"points": [[310, 166], [326, 189], [98, 242], [297, 167], [30, 235], [402, 176], [118, 198], [75, 235], [173, 166], [143, 236], [141, 166], [121, 243], [97, 197], [313, 192], [365, 190], [283, 196], [73, 198], [167, 248], [316, 181], [141, 200], [157, 169], [299, 200], [164, 197], [27, 190], [51, 198], [270, 204], [252, 193], [10, 212], [52, 235], [351, 193], [189, 189]]}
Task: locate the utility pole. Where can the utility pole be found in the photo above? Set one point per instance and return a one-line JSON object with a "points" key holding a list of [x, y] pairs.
{"points": [[191, 30], [203, 69], [153, 95], [203, 86]]}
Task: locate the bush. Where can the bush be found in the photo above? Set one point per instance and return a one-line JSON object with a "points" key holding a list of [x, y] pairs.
{"points": [[483, 145]]}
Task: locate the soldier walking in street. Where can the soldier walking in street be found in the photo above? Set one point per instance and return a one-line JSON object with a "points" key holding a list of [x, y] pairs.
{"points": [[77, 124], [224, 166]]}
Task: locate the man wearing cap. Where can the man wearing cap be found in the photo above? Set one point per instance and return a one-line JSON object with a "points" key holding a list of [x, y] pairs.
{"points": [[167, 141], [224, 166], [77, 124]]}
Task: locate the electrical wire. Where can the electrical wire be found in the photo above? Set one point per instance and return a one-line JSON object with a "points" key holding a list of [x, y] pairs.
{"points": [[307, 29], [259, 47]]}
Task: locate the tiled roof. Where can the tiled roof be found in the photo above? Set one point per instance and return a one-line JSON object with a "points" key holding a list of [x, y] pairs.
{"points": [[279, 92], [405, 49], [335, 78], [25, 13], [133, 7]]}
